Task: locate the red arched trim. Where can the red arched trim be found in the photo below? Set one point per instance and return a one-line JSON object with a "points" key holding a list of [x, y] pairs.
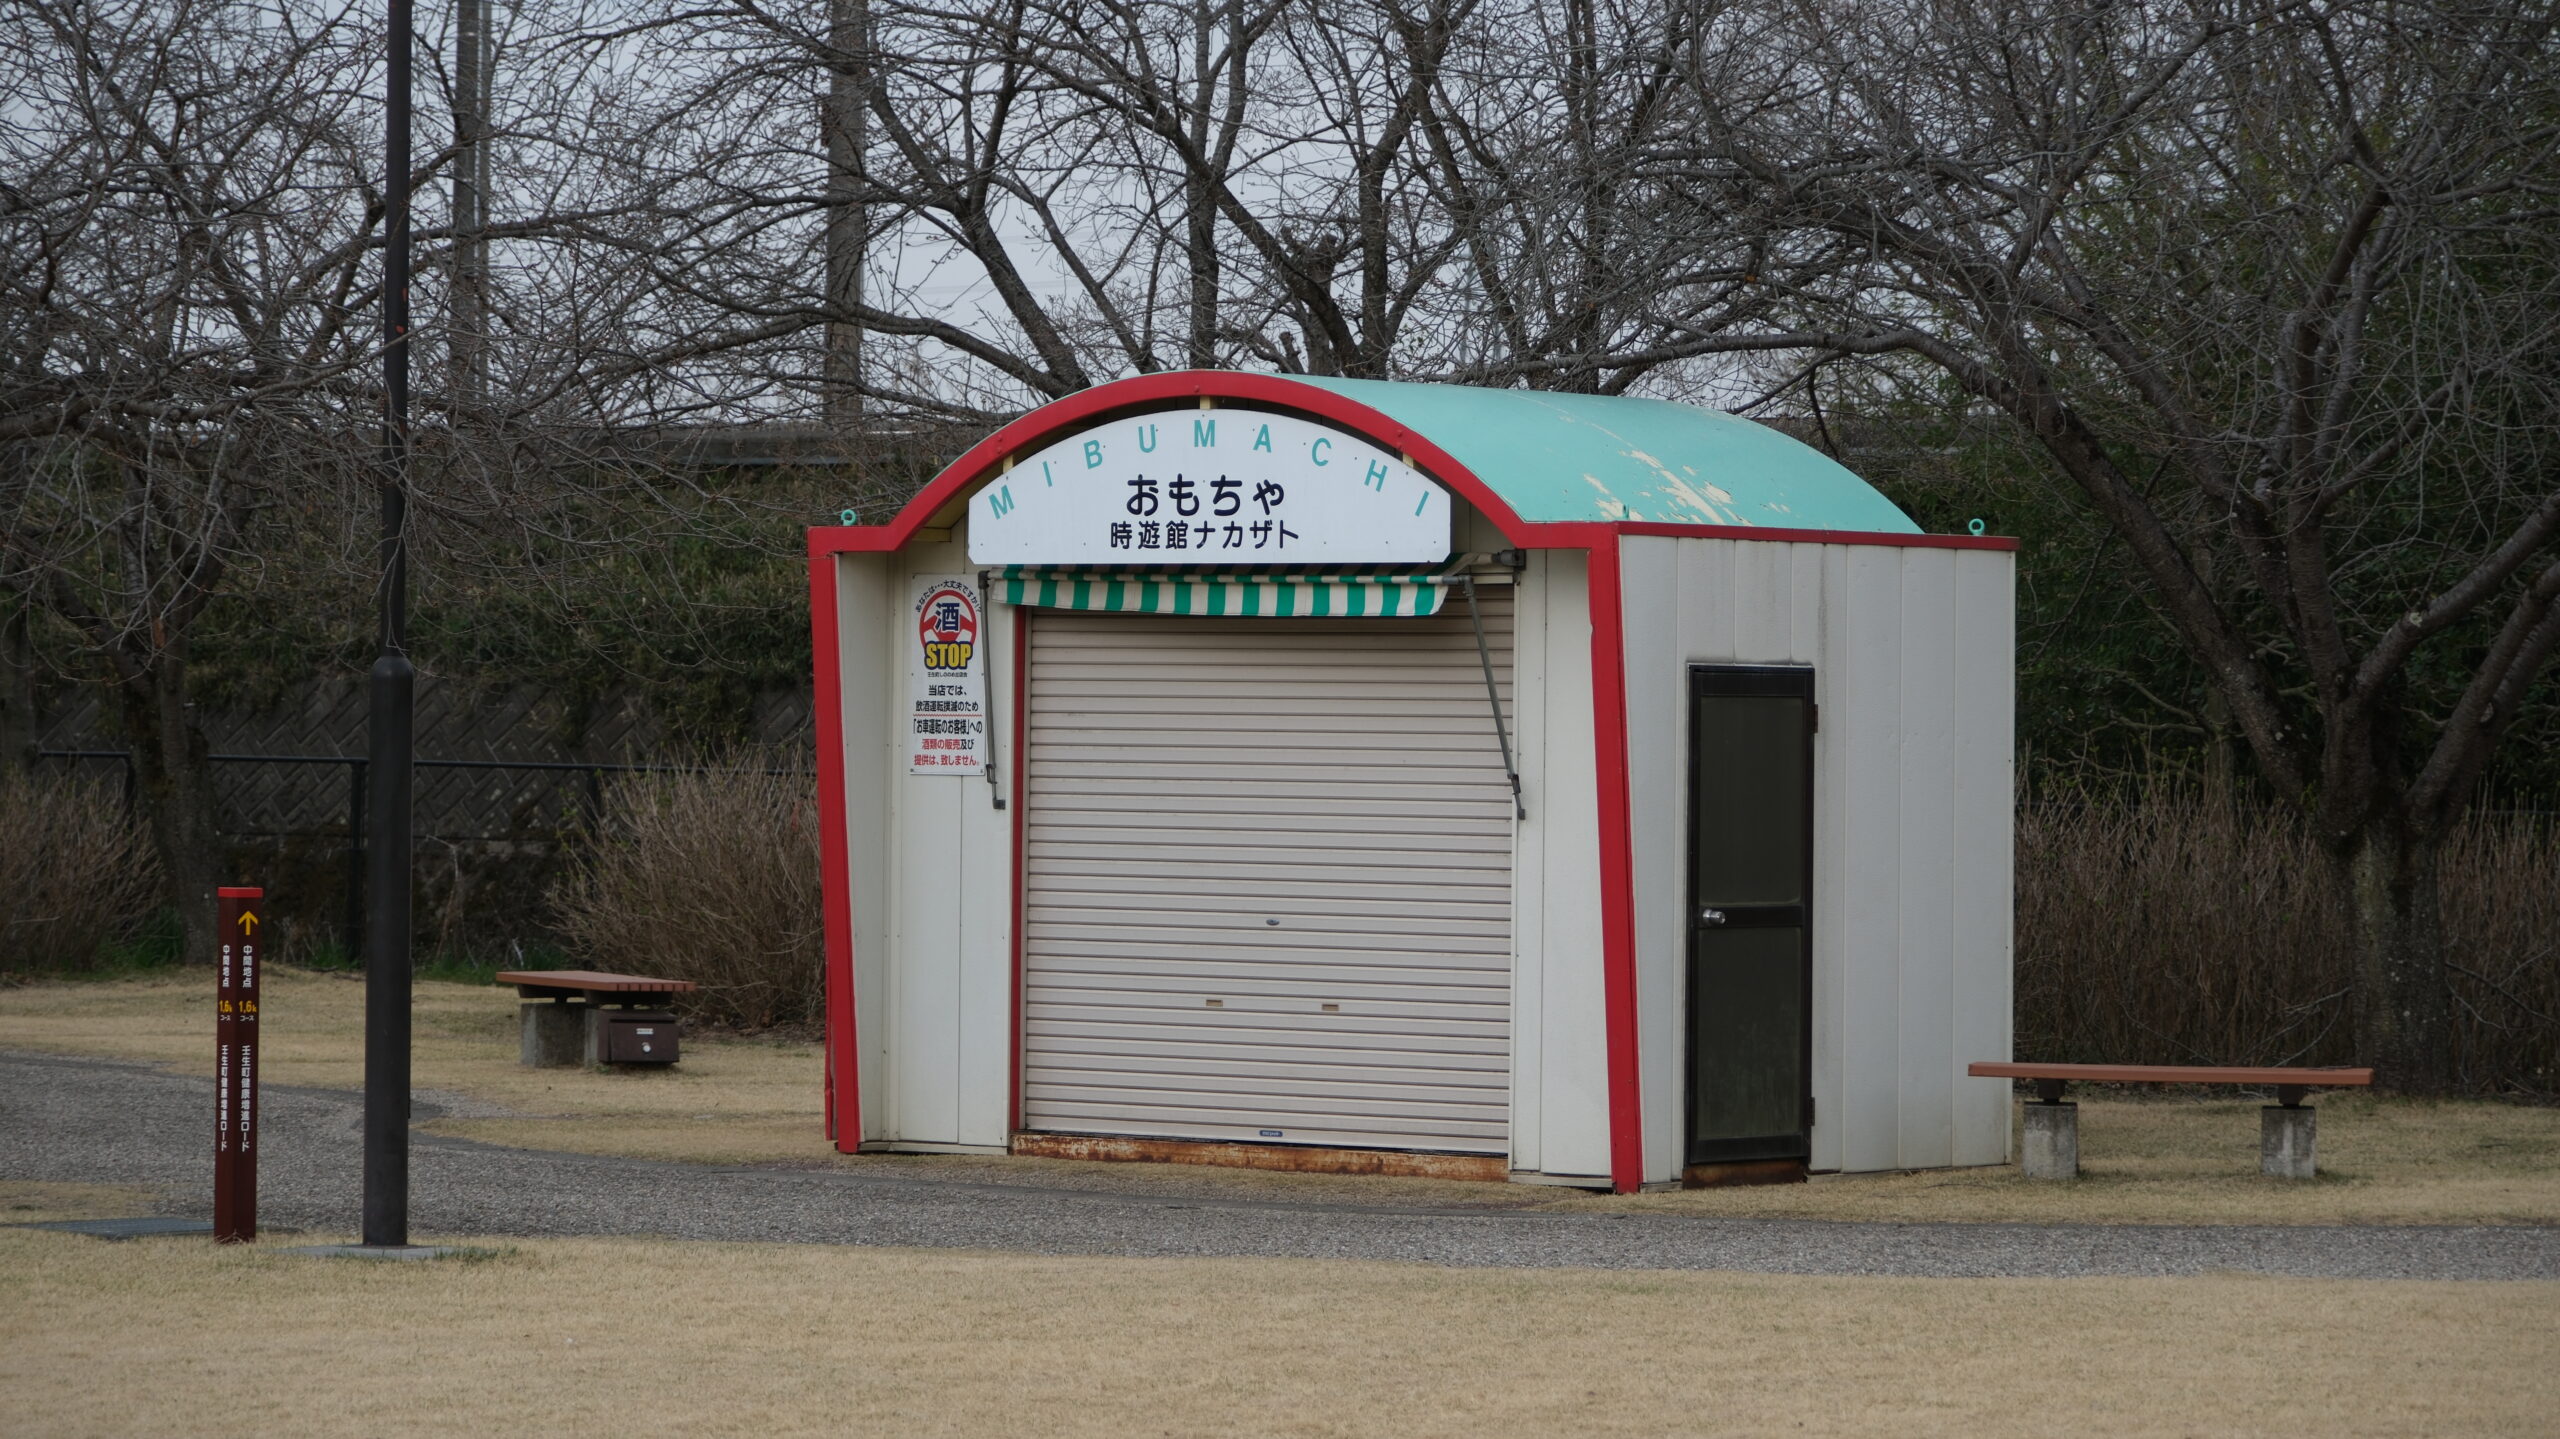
{"points": [[844, 1060], [1612, 767], [1086, 408]]}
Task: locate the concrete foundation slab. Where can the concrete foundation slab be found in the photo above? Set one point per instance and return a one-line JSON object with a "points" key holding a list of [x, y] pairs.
{"points": [[2052, 1143], [1296, 1158], [2287, 1141]]}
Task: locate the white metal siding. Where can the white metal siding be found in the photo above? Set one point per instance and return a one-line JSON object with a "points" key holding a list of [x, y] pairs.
{"points": [[933, 958], [1191, 781], [1562, 1029], [1912, 657], [865, 652]]}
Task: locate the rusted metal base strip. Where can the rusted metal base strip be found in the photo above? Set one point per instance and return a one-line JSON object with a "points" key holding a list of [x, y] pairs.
{"points": [[1303, 1159], [1756, 1171]]}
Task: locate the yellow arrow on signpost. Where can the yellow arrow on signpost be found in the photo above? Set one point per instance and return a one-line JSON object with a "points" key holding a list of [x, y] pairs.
{"points": [[248, 923]]}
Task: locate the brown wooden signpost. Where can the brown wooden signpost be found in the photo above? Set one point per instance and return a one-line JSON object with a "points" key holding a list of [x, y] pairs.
{"points": [[235, 1074]]}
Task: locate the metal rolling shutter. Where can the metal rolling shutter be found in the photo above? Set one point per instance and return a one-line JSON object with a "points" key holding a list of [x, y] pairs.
{"points": [[1268, 880]]}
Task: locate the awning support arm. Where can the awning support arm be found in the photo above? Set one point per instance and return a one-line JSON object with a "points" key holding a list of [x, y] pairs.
{"points": [[1493, 695], [995, 791]]}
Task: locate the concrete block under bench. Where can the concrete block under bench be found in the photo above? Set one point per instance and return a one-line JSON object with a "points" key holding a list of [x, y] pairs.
{"points": [[554, 1033], [583, 1016], [2050, 1146], [2285, 1135], [2286, 1129]]}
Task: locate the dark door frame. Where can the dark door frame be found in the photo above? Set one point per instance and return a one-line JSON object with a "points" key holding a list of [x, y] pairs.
{"points": [[1708, 680]]}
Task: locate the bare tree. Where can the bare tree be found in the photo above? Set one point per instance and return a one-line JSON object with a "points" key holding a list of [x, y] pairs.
{"points": [[1038, 194], [2276, 289], [187, 233], [2270, 284], [190, 265]]}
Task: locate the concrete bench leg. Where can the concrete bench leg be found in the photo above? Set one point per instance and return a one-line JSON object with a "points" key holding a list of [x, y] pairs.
{"points": [[2287, 1135], [554, 1034], [2052, 1149]]}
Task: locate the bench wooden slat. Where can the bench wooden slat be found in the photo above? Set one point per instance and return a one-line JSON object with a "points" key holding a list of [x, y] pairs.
{"points": [[594, 981], [2305, 1077]]}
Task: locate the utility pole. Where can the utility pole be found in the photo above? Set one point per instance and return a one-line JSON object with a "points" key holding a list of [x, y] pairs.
{"points": [[467, 333], [1200, 206], [386, 967], [847, 126]]}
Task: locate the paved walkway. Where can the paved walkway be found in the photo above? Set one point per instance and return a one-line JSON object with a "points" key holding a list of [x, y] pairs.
{"points": [[99, 1121]]}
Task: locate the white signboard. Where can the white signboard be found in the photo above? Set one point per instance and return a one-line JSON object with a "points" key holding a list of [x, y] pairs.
{"points": [[946, 684], [1209, 487]]}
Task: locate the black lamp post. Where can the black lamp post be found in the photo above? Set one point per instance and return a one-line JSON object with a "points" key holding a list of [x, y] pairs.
{"points": [[386, 968]]}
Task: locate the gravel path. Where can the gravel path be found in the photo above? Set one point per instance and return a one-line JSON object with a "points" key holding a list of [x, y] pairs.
{"points": [[99, 1121]]}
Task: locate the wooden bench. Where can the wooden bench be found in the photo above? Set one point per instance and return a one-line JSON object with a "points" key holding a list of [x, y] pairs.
{"points": [[2287, 1130], [585, 1016]]}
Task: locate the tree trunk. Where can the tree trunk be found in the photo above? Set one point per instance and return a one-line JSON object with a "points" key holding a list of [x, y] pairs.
{"points": [[2403, 1004], [173, 781], [1201, 254]]}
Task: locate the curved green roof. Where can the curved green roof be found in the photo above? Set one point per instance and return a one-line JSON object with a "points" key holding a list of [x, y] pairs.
{"points": [[1561, 457]]}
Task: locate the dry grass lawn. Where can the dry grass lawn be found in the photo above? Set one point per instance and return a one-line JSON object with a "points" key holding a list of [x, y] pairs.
{"points": [[2182, 1160], [730, 1100], [178, 1336], [2188, 1160], [32, 1202]]}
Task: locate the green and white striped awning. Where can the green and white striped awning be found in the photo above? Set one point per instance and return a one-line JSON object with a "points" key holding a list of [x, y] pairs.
{"points": [[1267, 596]]}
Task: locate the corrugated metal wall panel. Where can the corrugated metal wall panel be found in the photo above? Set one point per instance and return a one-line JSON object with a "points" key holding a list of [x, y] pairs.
{"points": [[1863, 718], [1657, 609], [1925, 750], [1986, 788], [863, 590], [1560, 710], [1913, 651], [1191, 781]]}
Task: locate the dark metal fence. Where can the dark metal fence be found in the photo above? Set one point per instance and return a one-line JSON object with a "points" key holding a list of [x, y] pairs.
{"points": [[538, 800]]}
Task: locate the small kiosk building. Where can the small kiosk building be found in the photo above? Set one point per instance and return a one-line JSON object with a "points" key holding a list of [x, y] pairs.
{"points": [[1414, 778]]}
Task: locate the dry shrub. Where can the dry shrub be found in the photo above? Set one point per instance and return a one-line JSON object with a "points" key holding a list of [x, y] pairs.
{"points": [[2502, 940], [2173, 929], [709, 875], [76, 873]]}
